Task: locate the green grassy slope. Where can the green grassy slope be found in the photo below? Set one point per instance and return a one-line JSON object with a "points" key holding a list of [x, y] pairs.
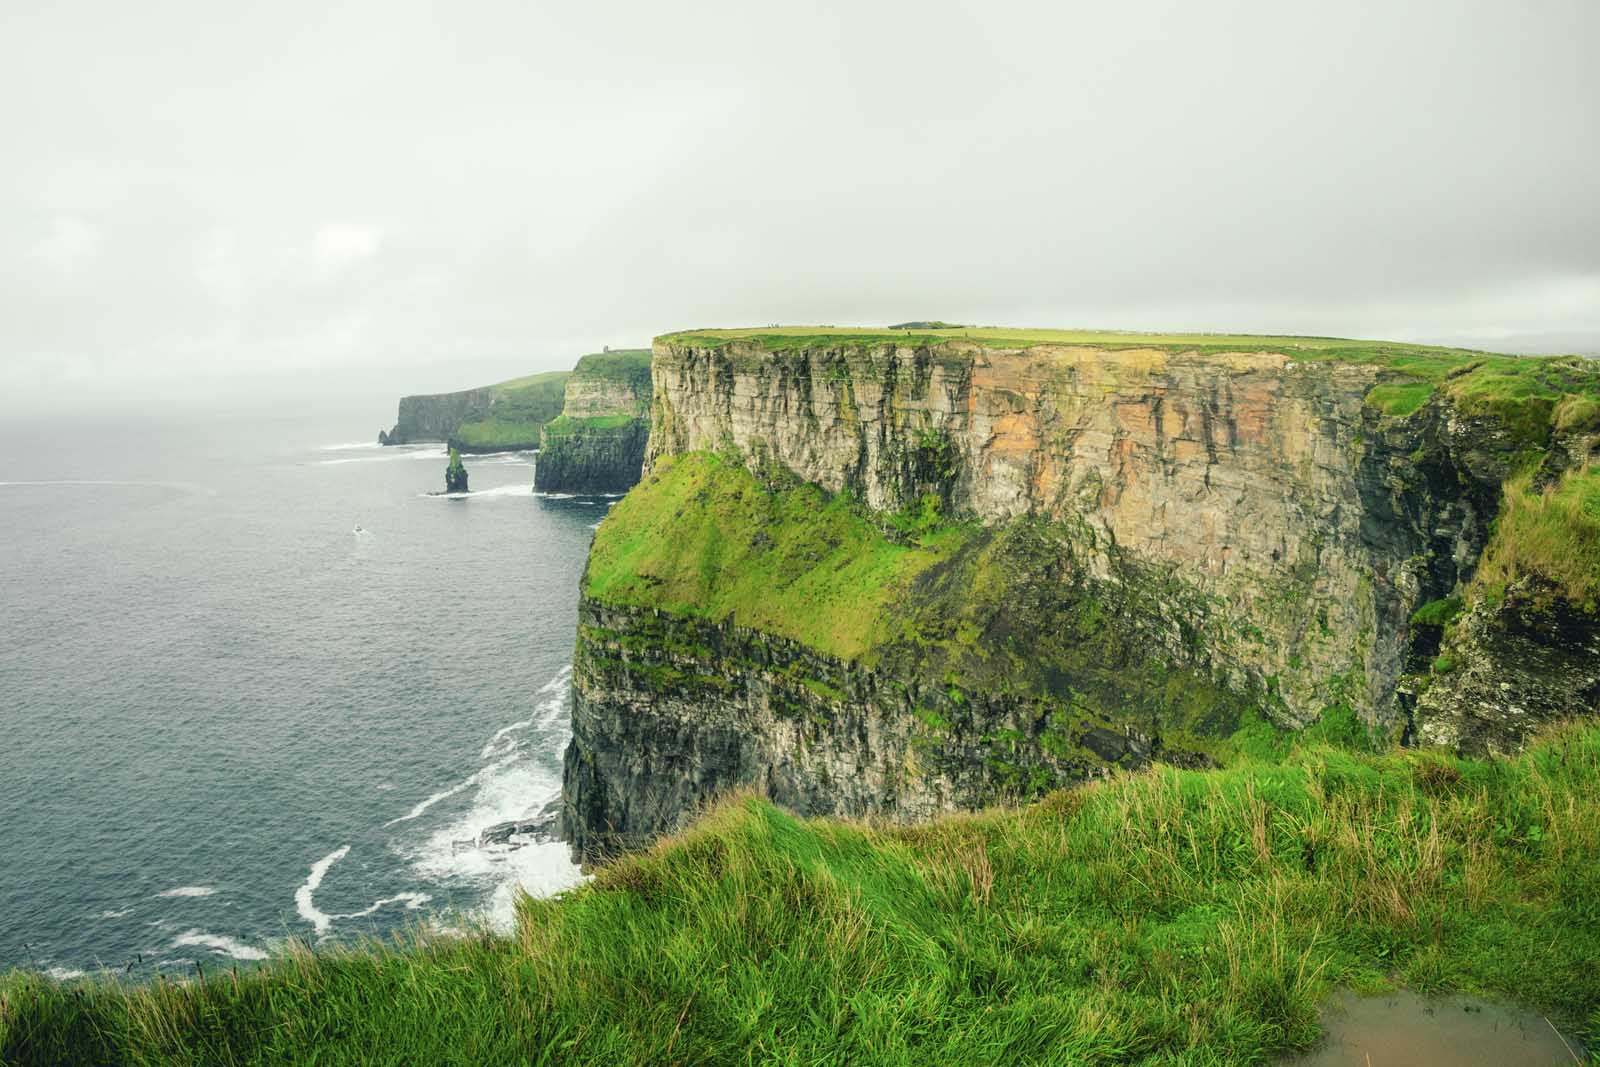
{"points": [[630, 365], [702, 536], [520, 410], [1166, 917]]}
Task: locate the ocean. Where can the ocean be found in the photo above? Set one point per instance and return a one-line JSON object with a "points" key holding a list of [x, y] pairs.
{"points": [[258, 682]]}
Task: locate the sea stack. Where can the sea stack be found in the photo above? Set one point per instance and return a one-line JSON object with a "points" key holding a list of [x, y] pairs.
{"points": [[455, 475]]}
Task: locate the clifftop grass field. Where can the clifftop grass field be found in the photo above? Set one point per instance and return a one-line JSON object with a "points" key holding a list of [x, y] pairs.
{"points": [[520, 409], [1164, 917]]}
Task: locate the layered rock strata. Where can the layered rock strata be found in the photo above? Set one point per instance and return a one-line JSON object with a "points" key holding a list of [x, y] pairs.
{"points": [[1215, 531]]}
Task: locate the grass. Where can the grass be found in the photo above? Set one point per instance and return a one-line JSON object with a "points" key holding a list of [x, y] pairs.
{"points": [[519, 410], [1554, 534], [702, 536], [631, 365], [566, 424], [1164, 917]]}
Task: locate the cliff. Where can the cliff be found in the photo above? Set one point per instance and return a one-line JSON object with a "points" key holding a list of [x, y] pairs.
{"points": [[872, 573], [597, 445], [493, 418]]}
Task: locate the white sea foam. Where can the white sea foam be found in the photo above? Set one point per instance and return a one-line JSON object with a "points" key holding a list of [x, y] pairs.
{"points": [[523, 492], [222, 946], [500, 744], [443, 794], [188, 891], [351, 446], [304, 901], [540, 868], [322, 921], [389, 454], [511, 787], [559, 682], [109, 914], [63, 974]]}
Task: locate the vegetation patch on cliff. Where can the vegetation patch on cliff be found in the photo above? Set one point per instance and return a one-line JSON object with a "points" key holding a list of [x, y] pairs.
{"points": [[1158, 918], [703, 536], [627, 365], [1553, 534]]}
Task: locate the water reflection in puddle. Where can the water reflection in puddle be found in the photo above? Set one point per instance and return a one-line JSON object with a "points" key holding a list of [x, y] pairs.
{"points": [[1403, 1028]]}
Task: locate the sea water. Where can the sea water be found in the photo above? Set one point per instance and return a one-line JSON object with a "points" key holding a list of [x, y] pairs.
{"points": [[260, 682]]}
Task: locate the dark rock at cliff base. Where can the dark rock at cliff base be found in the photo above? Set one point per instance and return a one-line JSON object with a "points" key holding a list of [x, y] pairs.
{"points": [[383, 437], [455, 475]]}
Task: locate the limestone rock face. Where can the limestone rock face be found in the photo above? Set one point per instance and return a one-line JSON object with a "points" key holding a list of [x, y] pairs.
{"points": [[1257, 532], [578, 457], [435, 416], [598, 443], [1312, 526], [1510, 668], [671, 712]]}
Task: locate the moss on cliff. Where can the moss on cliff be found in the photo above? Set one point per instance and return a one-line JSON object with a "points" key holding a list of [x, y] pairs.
{"points": [[702, 536], [1553, 535], [1008, 611], [1158, 918]]}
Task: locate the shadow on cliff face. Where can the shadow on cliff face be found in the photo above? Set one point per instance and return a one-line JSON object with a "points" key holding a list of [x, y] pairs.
{"points": [[1404, 1028]]}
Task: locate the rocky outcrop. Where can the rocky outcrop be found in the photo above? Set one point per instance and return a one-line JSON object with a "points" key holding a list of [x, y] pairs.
{"points": [[598, 443], [455, 475], [1167, 540], [1510, 666], [671, 712]]}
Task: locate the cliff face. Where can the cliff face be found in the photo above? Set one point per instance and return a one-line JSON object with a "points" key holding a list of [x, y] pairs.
{"points": [[1134, 549], [435, 416], [1268, 486], [598, 443], [504, 417]]}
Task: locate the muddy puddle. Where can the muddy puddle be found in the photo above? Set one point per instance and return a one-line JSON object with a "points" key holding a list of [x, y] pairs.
{"points": [[1403, 1028]]}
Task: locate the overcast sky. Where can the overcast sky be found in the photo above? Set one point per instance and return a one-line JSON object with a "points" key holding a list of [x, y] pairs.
{"points": [[211, 201]]}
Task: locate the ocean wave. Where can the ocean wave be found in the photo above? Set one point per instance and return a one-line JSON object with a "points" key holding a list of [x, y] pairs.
{"points": [[351, 446], [521, 491], [512, 787], [443, 794], [322, 921], [304, 897], [501, 744], [63, 974], [109, 914], [222, 946], [388, 455], [188, 891]]}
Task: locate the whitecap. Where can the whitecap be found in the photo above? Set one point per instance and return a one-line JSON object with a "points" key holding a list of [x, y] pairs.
{"points": [[109, 914], [222, 946], [188, 891], [560, 680], [303, 897], [320, 920], [443, 794], [351, 446], [500, 744], [63, 974]]}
